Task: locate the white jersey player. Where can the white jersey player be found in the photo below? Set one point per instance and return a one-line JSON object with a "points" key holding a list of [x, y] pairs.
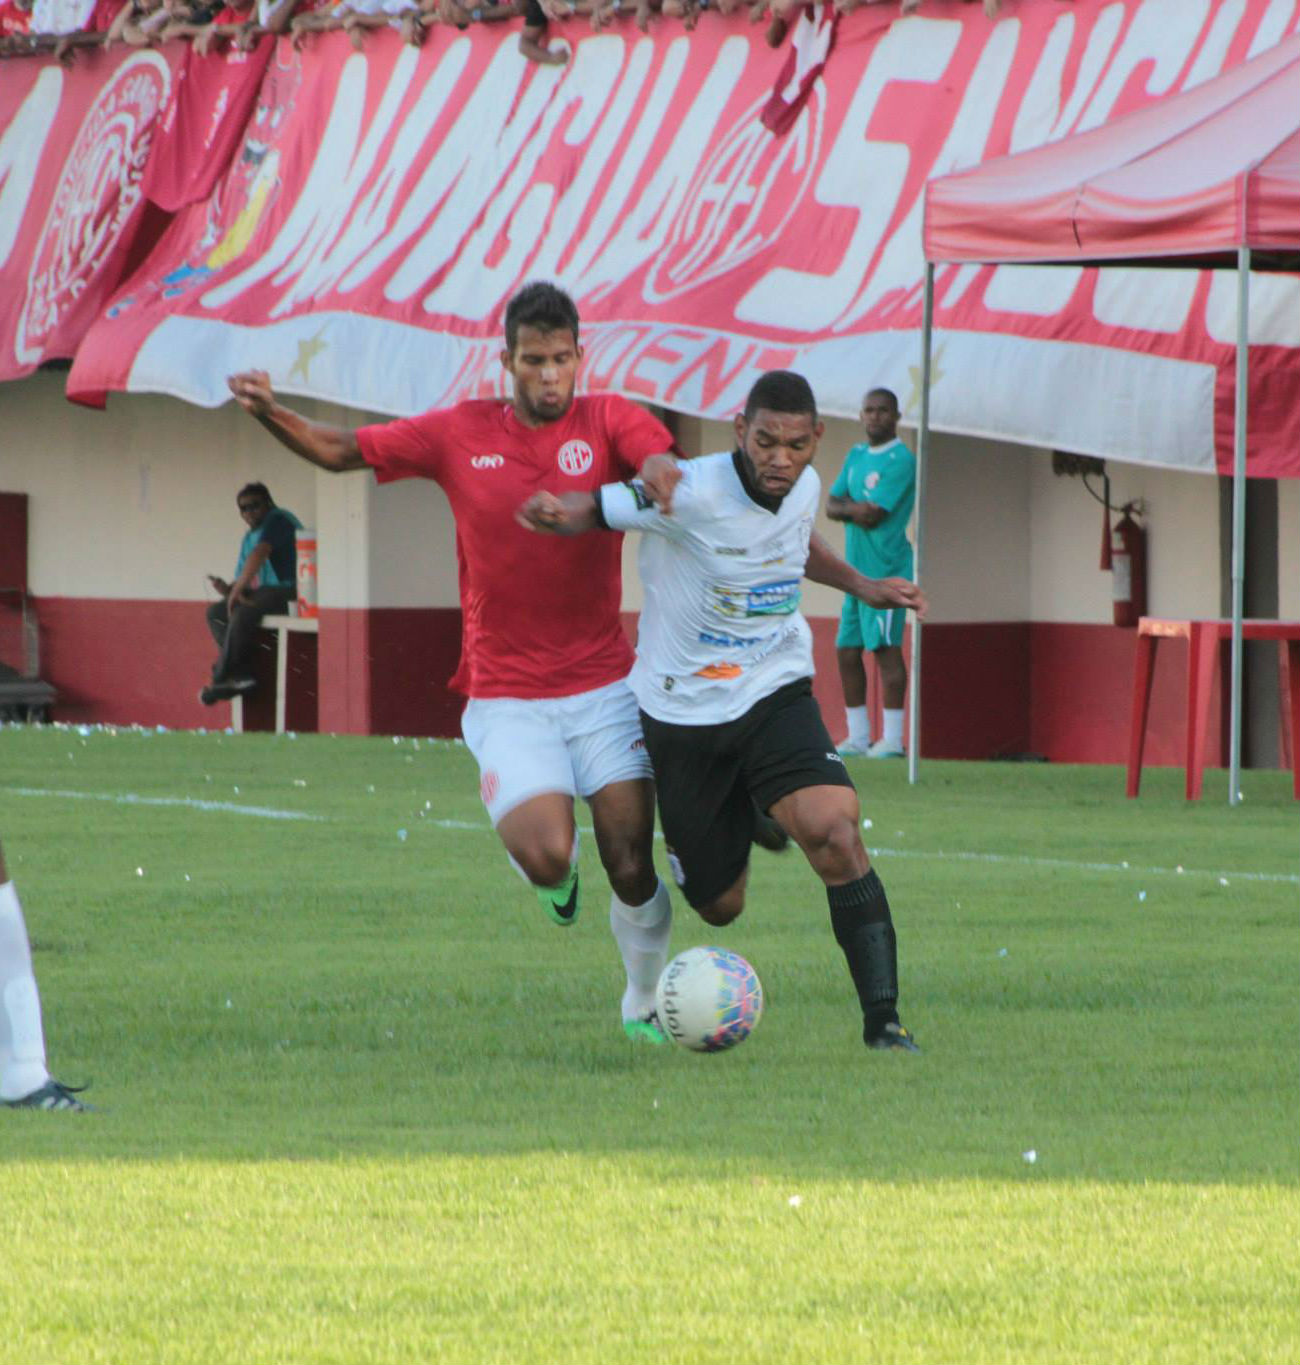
{"points": [[724, 676]]}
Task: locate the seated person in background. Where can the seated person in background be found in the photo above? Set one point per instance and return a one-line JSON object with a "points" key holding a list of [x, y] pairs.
{"points": [[266, 581]]}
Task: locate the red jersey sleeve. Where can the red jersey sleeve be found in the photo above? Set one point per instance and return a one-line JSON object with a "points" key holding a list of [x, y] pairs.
{"points": [[409, 448], [634, 435]]}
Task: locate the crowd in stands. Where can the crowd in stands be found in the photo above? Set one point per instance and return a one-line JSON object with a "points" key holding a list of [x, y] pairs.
{"points": [[63, 26]]}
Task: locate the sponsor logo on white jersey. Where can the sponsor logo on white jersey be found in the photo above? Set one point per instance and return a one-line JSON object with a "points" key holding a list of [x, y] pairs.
{"points": [[770, 599], [487, 461], [575, 458]]}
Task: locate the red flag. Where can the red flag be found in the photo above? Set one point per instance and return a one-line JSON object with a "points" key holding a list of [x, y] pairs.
{"points": [[203, 123], [810, 46]]}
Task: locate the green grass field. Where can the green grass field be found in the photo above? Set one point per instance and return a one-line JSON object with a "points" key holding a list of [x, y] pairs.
{"points": [[360, 1102]]}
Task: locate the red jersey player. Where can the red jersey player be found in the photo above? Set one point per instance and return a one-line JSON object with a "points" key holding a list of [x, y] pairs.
{"points": [[544, 659]]}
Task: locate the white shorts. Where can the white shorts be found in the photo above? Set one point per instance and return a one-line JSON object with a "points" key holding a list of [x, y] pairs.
{"points": [[575, 745]]}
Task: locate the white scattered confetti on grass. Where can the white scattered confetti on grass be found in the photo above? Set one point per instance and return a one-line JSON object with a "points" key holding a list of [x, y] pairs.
{"points": [[187, 802]]}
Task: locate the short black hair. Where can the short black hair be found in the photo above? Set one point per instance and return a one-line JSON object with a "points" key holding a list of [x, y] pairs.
{"points": [[781, 391], [542, 305], [881, 393], [260, 489]]}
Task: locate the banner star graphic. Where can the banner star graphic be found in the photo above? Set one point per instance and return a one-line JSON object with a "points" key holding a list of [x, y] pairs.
{"points": [[913, 404], [308, 350]]}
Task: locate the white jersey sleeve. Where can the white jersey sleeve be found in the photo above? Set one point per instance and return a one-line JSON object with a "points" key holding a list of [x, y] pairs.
{"points": [[628, 507]]}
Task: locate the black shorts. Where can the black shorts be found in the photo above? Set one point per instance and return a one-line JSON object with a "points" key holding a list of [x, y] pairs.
{"points": [[709, 778]]}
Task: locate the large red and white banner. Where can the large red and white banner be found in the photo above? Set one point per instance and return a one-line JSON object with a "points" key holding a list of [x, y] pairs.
{"points": [[382, 206], [73, 149]]}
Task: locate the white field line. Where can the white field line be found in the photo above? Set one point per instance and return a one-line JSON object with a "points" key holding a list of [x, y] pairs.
{"points": [[1070, 865], [192, 803], [1010, 859], [923, 855]]}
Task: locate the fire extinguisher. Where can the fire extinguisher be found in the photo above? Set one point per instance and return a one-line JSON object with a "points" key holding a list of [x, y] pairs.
{"points": [[1128, 567]]}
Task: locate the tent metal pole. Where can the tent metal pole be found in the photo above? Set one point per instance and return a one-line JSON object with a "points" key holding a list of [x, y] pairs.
{"points": [[1239, 517], [922, 465]]}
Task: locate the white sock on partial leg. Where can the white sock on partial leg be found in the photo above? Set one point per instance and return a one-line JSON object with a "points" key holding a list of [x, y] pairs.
{"points": [[641, 932], [22, 1040], [859, 731], [892, 730]]}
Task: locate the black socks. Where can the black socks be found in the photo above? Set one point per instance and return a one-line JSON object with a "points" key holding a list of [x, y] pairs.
{"points": [[865, 933]]}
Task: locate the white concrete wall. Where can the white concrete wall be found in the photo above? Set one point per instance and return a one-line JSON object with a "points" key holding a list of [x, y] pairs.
{"points": [[138, 501], [1182, 542], [385, 546]]}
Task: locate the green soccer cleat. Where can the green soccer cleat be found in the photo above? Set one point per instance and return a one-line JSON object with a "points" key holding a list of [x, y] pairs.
{"points": [[645, 1029], [561, 902]]}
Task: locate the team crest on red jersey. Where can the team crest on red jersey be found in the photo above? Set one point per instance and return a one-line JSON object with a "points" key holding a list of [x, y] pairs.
{"points": [[575, 458], [489, 785]]}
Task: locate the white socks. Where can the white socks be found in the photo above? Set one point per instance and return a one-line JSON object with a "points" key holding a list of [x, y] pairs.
{"points": [[22, 1041], [859, 731], [641, 932], [892, 732]]}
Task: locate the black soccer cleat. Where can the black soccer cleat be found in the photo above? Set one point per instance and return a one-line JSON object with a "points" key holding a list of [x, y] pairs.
{"points": [[53, 1095], [892, 1038], [226, 691]]}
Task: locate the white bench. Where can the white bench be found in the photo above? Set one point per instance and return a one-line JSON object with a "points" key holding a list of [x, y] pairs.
{"points": [[282, 625]]}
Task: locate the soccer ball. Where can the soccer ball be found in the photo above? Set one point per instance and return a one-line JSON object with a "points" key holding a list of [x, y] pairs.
{"points": [[708, 999]]}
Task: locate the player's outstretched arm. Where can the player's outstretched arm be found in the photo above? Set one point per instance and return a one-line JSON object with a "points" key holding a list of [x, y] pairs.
{"points": [[325, 446], [825, 566], [564, 514]]}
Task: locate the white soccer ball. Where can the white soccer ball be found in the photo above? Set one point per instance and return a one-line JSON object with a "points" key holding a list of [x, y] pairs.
{"points": [[709, 999]]}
